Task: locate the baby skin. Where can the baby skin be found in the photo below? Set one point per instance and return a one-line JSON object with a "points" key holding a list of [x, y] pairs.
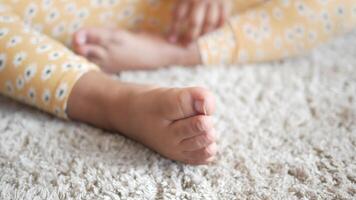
{"points": [[175, 122], [115, 50]]}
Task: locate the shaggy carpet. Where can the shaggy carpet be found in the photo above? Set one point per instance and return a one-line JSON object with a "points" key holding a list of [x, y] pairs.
{"points": [[287, 130]]}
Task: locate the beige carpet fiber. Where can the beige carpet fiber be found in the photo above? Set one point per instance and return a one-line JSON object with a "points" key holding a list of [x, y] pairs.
{"points": [[287, 130]]}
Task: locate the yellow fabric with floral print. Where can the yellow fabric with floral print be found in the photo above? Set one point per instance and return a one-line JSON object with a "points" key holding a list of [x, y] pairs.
{"points": [[277, 29], [37, 67]]}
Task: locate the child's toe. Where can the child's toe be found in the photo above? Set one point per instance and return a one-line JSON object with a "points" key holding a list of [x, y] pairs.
{"points": [[198, 142], [192, 126], [201, 154], [188, 102], [97, 36]]}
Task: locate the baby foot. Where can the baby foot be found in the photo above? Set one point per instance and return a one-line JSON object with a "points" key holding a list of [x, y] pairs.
{"points": [[116, 50], [174, 122]]}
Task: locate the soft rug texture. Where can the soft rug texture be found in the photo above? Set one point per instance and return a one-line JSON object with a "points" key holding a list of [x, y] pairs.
{"points": [[287, 130]]}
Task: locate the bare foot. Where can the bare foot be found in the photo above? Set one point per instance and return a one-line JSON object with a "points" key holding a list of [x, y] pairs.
{"points": [[172, 121], [116, 50]]}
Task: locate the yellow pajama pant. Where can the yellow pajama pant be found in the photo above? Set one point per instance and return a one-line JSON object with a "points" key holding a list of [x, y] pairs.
{"points": [[37, 68]]}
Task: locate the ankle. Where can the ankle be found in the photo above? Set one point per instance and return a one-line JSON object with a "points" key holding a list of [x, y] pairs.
{"points": [[91, 99], [118, 106]]}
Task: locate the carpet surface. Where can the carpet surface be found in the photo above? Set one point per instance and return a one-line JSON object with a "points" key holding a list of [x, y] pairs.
{"points": [[287, 130]]}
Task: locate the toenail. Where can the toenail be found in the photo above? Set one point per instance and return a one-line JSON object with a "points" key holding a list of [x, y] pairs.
{"points": [[200, 107], [212, 149]]}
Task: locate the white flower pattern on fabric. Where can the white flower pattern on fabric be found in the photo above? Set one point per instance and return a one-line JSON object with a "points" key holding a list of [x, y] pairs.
{"points": [[43, 48], [9, 88], [33, 64], [31, 94], [20, 82], [46, 96], [19, 58], [3, 32], [2, 61], [14, 41], [61, 91], [30, 72], [31, 11], [47, 72]]}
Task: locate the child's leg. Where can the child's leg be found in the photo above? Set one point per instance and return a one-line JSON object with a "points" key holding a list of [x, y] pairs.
{"points": [[36, 69], [277, 29], [41, 72], [174, 122], [115, 50], [268, 30], [61, 19]]}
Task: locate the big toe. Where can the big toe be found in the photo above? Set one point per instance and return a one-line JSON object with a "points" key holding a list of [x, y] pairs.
{"points": [[94, 36], [188, 102]]}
